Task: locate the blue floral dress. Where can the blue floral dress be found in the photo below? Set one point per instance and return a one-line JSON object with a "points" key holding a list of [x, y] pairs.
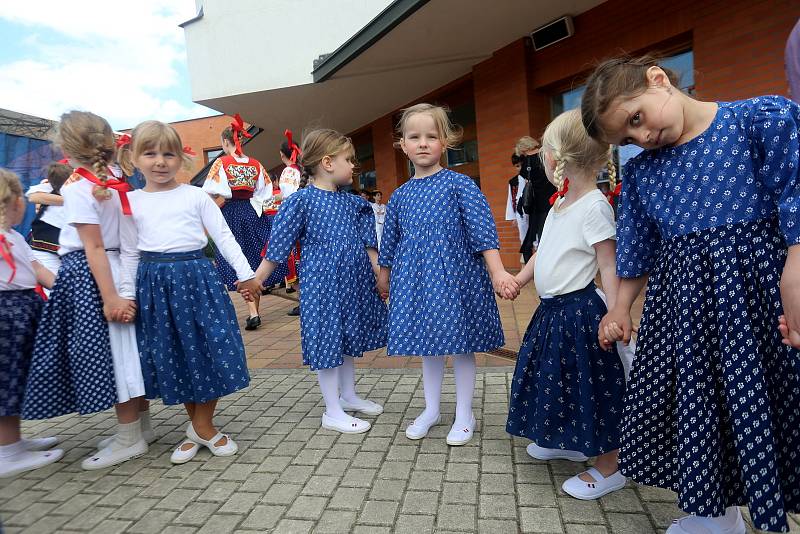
{"points": [[342, 311], [713, 403], [442, 301]]}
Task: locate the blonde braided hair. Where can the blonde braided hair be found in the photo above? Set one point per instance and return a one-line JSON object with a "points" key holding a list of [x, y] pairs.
{"points": [[558, 173], [612, 170], [89, 140], [10, 190]]}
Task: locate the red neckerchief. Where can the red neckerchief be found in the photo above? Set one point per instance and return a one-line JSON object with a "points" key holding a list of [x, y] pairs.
{"points": [[5, 253], [615, 193], [296, 152], [555, 196], [119, 186], [237, 127]]}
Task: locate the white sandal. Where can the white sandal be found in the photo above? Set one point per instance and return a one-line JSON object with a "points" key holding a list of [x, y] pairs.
{"points": [[418, 430], [229, 449], [180, 456], [589, 491], [365, 406], [353, 426], [461, 435], [109, 456], [711, 525], [542, 453]]}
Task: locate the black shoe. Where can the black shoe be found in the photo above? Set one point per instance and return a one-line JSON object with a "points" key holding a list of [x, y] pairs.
{"points": [[267, 290], [253, 323], [295, 312], [290, 290]]}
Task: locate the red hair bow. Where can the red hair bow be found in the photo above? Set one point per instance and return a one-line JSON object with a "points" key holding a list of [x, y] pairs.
{"points": [[237, 126], [296, 152], [560, 193], [111, 183], [615, 193], [5, 253], [123, 140], [188, 151], [64, 161]]}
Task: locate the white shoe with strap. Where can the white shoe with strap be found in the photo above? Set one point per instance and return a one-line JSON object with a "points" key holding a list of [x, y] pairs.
{"points": [[589, 491]]}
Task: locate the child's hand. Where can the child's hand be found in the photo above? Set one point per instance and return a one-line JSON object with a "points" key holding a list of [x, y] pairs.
{"points": [[249, 288], [615, 326], [505, 285], [383, 284], [119, 310], [790, 337], [789, 322]]}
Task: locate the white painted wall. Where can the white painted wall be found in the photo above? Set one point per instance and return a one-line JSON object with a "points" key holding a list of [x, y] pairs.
{"points": [[242, 46]]}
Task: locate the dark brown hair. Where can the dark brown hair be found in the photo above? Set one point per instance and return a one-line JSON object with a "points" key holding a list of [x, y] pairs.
{"points": [[56, 174], [623, 76]]}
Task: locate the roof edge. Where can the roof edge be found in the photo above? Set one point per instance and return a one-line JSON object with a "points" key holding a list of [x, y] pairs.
{"points": [[386, 21]]}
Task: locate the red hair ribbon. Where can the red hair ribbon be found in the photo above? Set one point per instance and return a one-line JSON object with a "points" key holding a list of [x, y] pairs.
{"points": [[237, 126], [5, 253], [560, 193], [64, 161], [112, 183], [123, 140], [188, 151], [296, 152], [615, 193]]}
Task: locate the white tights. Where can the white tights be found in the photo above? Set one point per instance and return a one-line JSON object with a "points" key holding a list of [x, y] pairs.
{"points": [[332, 382], [432, 376]]}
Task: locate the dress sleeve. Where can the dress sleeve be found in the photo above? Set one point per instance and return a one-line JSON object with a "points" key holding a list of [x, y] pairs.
{"points": [[289, 223], [80, 206], [218, 229], [638, 238], [776, 151], [41, 187], [129, 256], [476, 217], [366, 223], [261, 191], [391, 232], [217, 182]]}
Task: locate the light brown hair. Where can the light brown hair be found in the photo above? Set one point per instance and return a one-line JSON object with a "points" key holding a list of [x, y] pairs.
{"points": [[320, 143], [88, 139], [525, 144], [568, 143], [449, 133], [621, 77], [150, 135], [10, 190]]}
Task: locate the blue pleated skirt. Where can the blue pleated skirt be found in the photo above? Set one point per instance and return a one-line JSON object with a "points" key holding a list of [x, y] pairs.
{"points": [[567, 392], [190, 345], [19, 317]]}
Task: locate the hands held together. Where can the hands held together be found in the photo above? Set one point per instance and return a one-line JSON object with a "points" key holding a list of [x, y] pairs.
{"points": [[506, 285], [249, 288], [119, 310]]}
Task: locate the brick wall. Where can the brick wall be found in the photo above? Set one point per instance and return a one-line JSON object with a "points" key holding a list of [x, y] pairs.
{"points": [[738, 52], [200, 134]]}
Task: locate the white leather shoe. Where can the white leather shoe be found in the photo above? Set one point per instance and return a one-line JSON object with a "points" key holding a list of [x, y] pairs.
{"points": [[365, 406], [462, 434], [229, 449], [541, 453], [351, 426], [589, 491], [419, 429], [180, 456], [110, 456], [710, 525]]}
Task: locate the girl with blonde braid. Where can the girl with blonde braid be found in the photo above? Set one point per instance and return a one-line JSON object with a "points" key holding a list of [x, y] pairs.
{"points": [[567, 391]]}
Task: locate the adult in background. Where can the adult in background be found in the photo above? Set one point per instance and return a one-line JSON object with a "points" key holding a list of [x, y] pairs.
{"points": [[535, 199]]}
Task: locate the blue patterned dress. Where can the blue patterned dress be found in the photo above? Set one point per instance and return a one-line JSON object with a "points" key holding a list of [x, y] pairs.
{"points": [[442, 301], [713, 404], [343, 315]]}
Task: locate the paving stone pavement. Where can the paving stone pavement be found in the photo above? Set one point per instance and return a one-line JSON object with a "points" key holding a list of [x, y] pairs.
{"points": [[291, 476]]}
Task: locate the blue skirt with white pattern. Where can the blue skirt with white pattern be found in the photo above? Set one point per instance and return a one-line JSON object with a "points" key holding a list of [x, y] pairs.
{"points": [[72, 367], [282, 269], [19, 316], [567, 392], [251, 232], [713, 404], [189, 341]]}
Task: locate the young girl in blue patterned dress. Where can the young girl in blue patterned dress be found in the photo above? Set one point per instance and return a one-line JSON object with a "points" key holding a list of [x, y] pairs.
{"points": [[189, 341], [439, 238], [709, 221], [85, 357], [567, 392], [343, 315], [20, 308]]}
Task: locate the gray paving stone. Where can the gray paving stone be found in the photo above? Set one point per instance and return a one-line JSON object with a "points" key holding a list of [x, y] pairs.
{"points": [[497, 507], [263, 517], [281, 493], [630, 524], [240, 503], [378, 513], [111, 526], [218, 492], [196, 513], [87, 519], [420, 502], [388, 490], [294, 526], [178, 499], [296, 474], [585, 529], [153, 521], [497, 526], [536, 495], [457, 518], [348, 499], [414, 524], [425, 480], [335, 522], [369, 529], [460, 493], [134, 509], [496, 483], [458, 472], [395, 470], [360, 478], [540, 520], [624, 500], [322, 485]]}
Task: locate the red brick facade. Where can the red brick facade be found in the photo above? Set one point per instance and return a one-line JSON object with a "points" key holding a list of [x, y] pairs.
{"points": [[738, 51], [200, 134]]}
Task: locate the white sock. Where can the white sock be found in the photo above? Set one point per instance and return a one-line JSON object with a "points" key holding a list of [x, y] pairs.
{"points": [[127, 435], [329, 386], [432, 376], [464, 369], [347, 380], [7, 451], [39, 444]]}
